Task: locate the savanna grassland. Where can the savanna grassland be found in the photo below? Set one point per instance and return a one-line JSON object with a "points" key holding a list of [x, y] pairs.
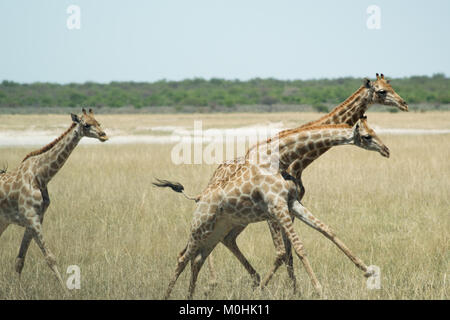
{"points": [[125, 235]]}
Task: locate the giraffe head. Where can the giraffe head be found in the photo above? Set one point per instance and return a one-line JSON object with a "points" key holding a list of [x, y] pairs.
{"points": [[384, 94], [366, 138], [88, 126]]}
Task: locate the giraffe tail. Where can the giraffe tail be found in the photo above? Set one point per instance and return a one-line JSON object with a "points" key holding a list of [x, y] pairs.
{"points": [[175, 186], [5, 168]]}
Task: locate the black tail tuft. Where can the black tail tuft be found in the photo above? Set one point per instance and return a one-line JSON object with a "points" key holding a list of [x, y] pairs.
{"points": [[175, 186], [5, 168]]}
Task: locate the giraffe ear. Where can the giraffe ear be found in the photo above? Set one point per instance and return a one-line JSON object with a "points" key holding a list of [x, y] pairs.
{"points": [[367, 83], [75, 118]]}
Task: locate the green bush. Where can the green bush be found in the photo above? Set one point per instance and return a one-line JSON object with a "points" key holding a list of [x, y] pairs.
{"points": [[215, 92], [320, 107]]}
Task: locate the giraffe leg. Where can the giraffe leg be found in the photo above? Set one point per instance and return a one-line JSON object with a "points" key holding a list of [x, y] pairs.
{"points": [[283, 254], [202, 228], [196, 265], [49, 257], [306, 216], [289, 260], [183, 259], [213, 276], [281, 241], [287, 243], [277, 238], [26, 240], [212, 271], [230, 242], [28, 234], [281, 212], [33, 223]]}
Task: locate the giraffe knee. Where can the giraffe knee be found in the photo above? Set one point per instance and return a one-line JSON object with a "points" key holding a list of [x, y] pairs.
{"points": [[256, 280], [331, 232], [300, 250], [281, 254], [51, 260]]}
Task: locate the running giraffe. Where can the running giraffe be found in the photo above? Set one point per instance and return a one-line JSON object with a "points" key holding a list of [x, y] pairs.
{"points": [[256, 191], [24, 196]]}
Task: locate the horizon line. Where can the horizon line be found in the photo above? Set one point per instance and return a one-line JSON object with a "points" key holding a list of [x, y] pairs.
{"points": [[218, 78]]}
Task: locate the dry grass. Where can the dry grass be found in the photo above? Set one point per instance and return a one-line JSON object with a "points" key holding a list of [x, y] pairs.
{"points": [[125, 235], [136, 124]]}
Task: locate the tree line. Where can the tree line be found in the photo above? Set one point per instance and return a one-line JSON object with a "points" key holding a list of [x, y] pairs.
{"points": [[214, 92]]}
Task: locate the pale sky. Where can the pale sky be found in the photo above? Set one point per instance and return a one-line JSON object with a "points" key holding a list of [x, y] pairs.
{"points": [[233, 39]]}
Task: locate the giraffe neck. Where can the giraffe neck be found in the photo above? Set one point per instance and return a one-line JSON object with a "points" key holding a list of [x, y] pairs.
{"points": [[47, 164], [348, 111], [300, 146]]}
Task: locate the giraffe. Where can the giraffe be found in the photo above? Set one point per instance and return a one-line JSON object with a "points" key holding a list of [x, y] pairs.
{"points": [[255, 192], [24, 197], [348, 112]]}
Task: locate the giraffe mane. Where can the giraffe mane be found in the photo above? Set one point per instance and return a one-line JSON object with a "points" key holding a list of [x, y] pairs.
{"points": [[50, 145], [336, 109]]}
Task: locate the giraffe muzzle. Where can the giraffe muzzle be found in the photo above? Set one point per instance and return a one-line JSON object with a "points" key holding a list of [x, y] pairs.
{"points": [[403, 106], [385, 152], [103, 137]]}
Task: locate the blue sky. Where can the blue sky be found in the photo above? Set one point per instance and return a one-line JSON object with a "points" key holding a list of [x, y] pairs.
{"points": [[152, 40]]}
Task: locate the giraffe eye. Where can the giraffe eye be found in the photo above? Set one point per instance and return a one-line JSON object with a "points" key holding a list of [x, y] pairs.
{"points": [[367, 137], [381, 92], [86, 126]]}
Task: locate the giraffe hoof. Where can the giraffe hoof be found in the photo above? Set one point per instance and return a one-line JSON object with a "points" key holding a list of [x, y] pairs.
{"points": [[319, 291], [256, 282], [19, 265], [372, 271], [294, 290], [369, 272], [211, 288]]}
